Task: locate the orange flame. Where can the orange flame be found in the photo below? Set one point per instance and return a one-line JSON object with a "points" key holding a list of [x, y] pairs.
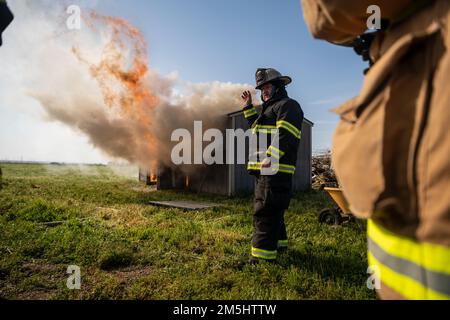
{"points": [[122, 71]]}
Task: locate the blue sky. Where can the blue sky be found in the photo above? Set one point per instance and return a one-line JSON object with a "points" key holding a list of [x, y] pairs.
{"points": [[212, 40], [227, 40]]}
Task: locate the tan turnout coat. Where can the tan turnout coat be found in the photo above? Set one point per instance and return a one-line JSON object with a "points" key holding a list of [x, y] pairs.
{"points": [[391, 149]]}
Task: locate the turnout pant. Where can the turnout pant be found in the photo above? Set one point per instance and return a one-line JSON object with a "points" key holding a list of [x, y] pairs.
{"points": [[272, 198]]}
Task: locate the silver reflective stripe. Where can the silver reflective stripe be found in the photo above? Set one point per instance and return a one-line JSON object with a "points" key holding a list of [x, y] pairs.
{"points": [[434, 280]]}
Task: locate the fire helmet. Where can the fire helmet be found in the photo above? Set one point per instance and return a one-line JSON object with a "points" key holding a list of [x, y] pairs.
{"points": [[264, 76]]}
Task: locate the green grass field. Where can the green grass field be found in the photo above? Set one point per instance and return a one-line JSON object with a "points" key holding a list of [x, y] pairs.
{"points": [[127, 249]]}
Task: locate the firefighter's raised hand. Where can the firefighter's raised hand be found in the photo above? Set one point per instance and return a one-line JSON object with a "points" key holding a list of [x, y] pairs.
{"points": [[247, 97], [266, 163]]}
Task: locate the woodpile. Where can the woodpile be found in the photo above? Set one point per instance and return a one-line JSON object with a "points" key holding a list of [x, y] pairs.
{"points": [[322, 172]]}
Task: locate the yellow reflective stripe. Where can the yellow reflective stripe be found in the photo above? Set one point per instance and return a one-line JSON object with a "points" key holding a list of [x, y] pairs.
{"points": [[284, 123], [276, 156], [430, 256], [289, 127], [278, 150], [264, 129], [277, 153], [250, 112], [254, 165], [264, 254], [265, 251], [285, 168], [282, 243], [292, 132], [413, 269], [268, 131], [404, 285], [256, 255]]}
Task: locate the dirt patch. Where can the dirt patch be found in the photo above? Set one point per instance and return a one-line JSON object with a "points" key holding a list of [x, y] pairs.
{"points": [[132, 273], [40, 282], [146, 189], [36, 267], [35, 295]]}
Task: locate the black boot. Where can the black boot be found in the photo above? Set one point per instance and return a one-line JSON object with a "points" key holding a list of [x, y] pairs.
{"points": [[251, 261], [282, 250]]}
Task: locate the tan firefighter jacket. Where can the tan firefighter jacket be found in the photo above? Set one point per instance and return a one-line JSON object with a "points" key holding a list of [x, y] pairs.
{"points": [[391, 149]]}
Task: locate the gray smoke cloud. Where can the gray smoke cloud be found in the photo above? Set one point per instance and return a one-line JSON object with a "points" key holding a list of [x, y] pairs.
{"points": [[97, 81]]}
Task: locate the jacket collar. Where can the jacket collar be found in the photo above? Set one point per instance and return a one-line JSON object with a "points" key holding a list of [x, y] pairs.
{"points": [[279, 95]]}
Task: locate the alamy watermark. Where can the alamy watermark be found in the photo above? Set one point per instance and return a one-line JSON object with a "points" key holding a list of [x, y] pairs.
{"points": [[374, 20], [74, 280], [73, 22], [229, 149], [374, 280]]}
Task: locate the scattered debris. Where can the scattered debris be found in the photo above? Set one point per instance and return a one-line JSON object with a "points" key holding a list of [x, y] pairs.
{"points": [[108, 209], [185, 205], [58, 223], [145, 189], [322, 172], [52, 223]]}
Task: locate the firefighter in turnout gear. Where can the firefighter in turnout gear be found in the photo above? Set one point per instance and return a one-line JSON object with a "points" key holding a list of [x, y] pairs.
{"points": [[280, 121], [391, 148]]}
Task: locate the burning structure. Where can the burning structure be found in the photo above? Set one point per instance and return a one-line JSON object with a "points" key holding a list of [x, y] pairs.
{"points": [[98, 82], [227, 179]]}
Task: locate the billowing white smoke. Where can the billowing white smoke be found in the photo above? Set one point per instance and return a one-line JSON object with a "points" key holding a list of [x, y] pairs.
{"points": [[97, 81]]}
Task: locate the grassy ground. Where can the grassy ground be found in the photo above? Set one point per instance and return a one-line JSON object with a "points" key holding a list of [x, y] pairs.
{"points": [[127, 249]]}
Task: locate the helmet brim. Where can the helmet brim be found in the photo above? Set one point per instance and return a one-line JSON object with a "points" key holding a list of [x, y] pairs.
{"points": [[285, 79]]}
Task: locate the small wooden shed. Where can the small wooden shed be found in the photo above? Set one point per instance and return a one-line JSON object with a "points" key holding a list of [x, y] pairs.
{"points": [[233, 179]]}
